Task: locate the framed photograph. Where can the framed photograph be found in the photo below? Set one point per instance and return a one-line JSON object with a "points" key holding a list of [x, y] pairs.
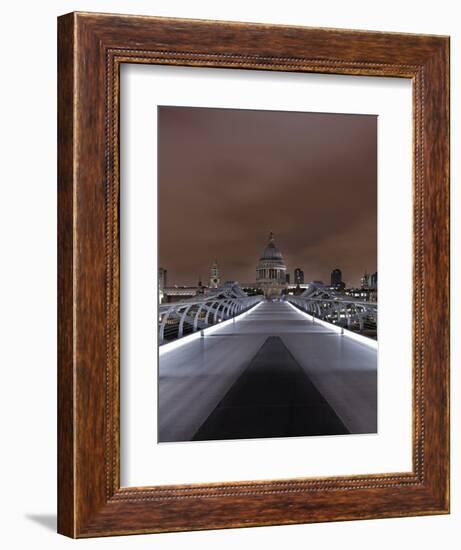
{"points": [[228, 194]]}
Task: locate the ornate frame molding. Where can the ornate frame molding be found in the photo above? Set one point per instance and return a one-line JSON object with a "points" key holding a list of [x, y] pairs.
{"points": [[91, 49]]}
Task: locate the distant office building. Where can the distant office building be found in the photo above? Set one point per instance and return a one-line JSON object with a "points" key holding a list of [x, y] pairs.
{"points": [[369, 281], [299, 276], [215, 280], [287, 278], [374, 280], [161, 284], [336, 277], [162, 280], [365, 281]]}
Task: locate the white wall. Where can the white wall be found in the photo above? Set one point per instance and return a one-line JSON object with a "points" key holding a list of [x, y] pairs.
{"points": [[28, 270]]}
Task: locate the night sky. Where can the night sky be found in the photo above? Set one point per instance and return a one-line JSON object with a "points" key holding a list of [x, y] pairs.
{"points": [[227, 177]]}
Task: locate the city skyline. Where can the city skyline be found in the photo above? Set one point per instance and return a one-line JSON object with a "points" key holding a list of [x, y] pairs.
{"points": [[291, 278], [308, 177]]}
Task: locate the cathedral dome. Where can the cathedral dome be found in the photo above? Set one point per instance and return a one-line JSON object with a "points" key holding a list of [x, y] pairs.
{"points": [[271, 267], [271, 252]]}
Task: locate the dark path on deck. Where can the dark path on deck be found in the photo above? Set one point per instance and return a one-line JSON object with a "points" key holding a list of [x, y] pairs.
{"points": [[273, 397]]}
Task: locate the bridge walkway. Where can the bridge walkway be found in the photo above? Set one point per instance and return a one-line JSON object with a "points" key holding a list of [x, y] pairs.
{"points": [[273, 373]]}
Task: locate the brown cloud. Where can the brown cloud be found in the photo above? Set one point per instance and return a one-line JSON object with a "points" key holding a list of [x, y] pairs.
{"points": [[227, 177]]}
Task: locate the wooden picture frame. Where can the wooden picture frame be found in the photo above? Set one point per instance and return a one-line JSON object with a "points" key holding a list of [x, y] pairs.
{"points": [[92, 48]]}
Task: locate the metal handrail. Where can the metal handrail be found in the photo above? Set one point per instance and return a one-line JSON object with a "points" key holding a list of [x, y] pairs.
{"points": [[181, 318], [348, 313]]}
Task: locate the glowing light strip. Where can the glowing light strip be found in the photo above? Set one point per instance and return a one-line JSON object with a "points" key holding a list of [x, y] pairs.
{"points": [[170, 346], [344, 331]]}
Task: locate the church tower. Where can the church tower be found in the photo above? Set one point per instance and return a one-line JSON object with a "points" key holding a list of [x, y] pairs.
{"points": [[215, 281]]}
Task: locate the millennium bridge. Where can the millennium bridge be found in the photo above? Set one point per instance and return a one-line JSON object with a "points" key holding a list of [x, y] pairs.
{"points": [[234, 366]]}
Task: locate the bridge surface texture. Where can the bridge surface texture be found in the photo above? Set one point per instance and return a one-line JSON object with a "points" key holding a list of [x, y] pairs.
{"points": [[272, 373]]}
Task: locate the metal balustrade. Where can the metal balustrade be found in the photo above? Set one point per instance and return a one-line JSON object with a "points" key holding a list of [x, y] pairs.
{"points": [[181, 318], [333, 307]]}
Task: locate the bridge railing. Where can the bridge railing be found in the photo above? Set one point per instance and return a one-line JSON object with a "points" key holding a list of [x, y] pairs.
{"points": [[351, 314], [182, 318]]}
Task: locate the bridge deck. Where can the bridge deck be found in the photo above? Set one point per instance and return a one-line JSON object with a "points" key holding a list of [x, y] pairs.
{"points": [[211, 385]]}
